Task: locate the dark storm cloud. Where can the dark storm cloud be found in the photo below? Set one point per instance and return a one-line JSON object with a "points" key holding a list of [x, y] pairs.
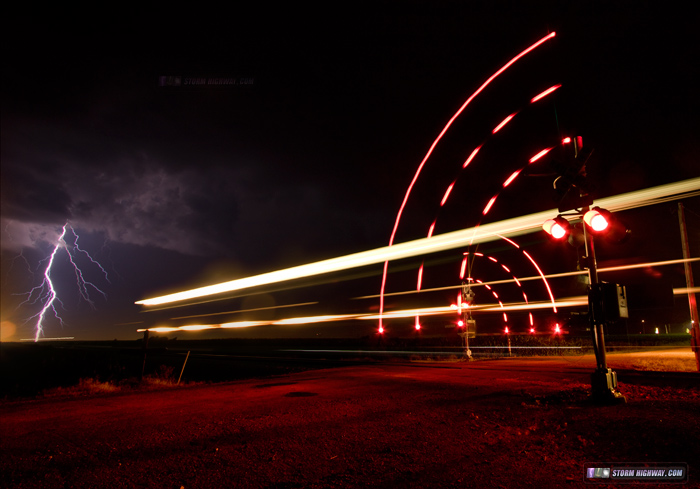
{"points": [[128, 195], [183, 211], [32, 193]]}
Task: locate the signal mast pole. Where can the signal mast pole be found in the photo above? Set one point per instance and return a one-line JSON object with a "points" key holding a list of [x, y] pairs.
{"points": [[603, 379]]}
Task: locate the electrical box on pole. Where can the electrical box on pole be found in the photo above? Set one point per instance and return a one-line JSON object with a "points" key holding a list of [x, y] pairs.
{"points": [[614, 301]]}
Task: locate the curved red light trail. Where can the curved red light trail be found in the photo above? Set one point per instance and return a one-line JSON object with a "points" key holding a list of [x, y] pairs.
{"points": [[432, 147], [502, 124], [471, 157], [458, 306], [544, 94]]}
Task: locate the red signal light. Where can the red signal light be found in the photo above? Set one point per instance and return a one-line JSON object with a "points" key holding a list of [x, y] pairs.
{"points": [[596, 219], [557, 227], [602, 221]]}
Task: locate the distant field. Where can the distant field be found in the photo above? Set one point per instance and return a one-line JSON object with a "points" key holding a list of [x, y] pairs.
{"points": [[32, 369]]}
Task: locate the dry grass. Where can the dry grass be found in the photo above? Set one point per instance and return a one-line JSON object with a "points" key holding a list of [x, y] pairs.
{"points": [[162, 378], [85, 387]]}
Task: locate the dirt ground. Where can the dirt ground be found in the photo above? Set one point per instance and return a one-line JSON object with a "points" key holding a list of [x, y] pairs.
{"points": [[482, 424]]}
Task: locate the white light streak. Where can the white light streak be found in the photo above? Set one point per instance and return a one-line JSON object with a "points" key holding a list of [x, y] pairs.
{"points": [[550, 276], [484, 233], [406, 313]]}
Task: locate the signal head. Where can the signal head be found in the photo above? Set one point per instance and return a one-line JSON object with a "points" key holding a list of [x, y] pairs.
{"points": [[597, 219], [602, 221], [558, 227]]}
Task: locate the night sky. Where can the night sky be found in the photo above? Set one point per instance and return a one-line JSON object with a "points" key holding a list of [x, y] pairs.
{"points": [[306, 151]]}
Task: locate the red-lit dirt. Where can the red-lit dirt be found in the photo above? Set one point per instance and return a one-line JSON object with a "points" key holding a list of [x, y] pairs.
{"points": [[483, 424]]}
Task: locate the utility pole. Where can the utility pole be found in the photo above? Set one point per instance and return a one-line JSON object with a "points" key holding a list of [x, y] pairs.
{"points": [[692, 302]]}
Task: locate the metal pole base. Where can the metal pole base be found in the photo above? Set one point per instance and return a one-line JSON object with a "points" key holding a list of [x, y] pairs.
{"points": [[604, 388]]}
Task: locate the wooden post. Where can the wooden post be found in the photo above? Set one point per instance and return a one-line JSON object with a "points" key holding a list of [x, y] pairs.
{"points": [[145, 348], [183, 368], [692, 302]]}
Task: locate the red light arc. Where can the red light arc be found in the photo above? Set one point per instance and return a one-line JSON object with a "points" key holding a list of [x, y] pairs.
{"points": [[462, 276], [432, 147], [492, 200]]}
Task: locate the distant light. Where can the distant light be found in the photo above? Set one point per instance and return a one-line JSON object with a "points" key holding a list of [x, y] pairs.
{"points": [[557, 330], [460, 323], [417, 324], [506, 330], [532, 330], [381, 329], [566, 140], [656, 330]]}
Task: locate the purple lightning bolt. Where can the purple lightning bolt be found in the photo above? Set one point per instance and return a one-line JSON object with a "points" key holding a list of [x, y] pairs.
{"points": [[45, 293]]}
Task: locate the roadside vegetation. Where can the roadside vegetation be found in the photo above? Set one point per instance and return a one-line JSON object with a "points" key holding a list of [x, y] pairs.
{"points": [[48, 370]]}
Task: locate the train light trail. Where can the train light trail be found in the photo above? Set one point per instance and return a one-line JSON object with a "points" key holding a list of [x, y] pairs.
{"points": [[197, 327], [244, 324], [485, 233], [399, 314]]}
